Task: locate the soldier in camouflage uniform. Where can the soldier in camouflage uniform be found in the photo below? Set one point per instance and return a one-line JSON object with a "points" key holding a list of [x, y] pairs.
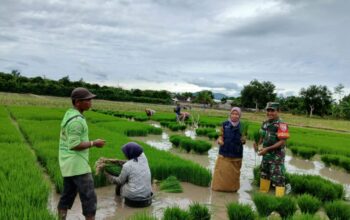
{"points": [[273, 136]]}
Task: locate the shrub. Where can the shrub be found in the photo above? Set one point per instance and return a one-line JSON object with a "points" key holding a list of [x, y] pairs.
{"points": [[237, 211], [338, 210], [199, 212], [265, 204], [171, 185], [175, 213], [308, 204], [325, 190], [286, 206]]}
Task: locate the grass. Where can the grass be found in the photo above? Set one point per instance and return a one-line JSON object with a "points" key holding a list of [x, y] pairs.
{"points": [[236, 211], [171, 185]]}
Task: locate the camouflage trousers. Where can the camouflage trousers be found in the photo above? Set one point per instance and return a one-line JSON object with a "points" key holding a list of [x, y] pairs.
{"points": [[273, 170]]}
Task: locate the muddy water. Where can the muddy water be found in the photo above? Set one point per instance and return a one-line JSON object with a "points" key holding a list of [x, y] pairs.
{"points": [[111, 207]]}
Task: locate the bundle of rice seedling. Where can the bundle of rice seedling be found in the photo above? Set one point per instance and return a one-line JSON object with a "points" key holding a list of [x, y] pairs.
{"points": [[171, 185]]}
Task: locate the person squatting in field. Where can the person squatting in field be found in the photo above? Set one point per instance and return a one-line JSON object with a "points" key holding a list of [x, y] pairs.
{"points": [[228, 165], [134, 182], [149, 112], [273, 136], [73, 156]]}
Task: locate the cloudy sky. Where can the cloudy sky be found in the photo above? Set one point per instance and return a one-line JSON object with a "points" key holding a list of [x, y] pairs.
{"points": [[179, 45]]}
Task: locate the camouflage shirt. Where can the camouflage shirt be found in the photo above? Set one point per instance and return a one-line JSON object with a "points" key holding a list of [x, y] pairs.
{"points": [[272, 132]]}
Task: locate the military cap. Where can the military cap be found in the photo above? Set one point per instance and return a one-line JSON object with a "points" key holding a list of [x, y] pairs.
{"points": [[273, 105], [81, 93]]}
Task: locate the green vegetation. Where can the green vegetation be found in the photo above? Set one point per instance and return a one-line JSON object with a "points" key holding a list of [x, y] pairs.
{"points": [[304, 152], [199, 212], [142, 216], [338, 210], [23, 190], [305, 217], [237, 211], [186, 143], [113, 169], [43, 135], [323, 189], [337, 160], [175, 213], [171, 185], [308, 204], [265, 204], [204, 131]]}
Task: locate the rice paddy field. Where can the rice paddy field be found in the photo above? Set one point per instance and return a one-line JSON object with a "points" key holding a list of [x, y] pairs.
{"points": [[30, 177]]}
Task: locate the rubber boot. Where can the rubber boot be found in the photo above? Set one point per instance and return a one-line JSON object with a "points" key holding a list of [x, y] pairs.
{"points": [[62, 214], [264, 185], [279, 191]]}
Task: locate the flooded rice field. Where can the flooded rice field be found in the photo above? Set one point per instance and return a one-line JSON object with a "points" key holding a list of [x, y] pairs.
{"points": [[111, 207]]}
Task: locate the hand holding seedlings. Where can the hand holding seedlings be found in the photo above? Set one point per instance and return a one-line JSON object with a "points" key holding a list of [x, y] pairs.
{"points": [[98, 143]]}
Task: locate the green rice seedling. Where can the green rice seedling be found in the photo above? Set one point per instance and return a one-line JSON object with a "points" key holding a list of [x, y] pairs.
{"points": [[265, 204], [154, 130], [337, 160], [200, 146], [330, 159], [141, 118], [256, 136], [175, 213], [175, 140], [304, 152], [136, 132], [176, 126], [323, 189], [113, 169], [186, 144], [256, 172], [286, 206], [171, 185], [142, 216], [165, 123], [305, 217], [199, 212], [204, 131], [308, 204], [338, 210], [213, 135], [244, 128], [236, 211]]}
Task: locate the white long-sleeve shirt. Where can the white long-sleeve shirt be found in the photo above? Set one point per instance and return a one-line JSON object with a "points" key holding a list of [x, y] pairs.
{"points": [[135, 178]]}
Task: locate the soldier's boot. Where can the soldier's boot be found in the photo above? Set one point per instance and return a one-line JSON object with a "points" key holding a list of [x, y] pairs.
{"points": [[264, 185], [279, 191], [62, 214]]}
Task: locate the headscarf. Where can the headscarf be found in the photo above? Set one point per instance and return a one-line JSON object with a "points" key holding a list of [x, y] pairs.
{"points": [[237, 109], [132, 150]]}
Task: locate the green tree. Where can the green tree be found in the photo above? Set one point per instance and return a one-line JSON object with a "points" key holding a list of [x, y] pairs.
{"points": [[317, 99], [204, 97], [339, 90], [257, 94]]}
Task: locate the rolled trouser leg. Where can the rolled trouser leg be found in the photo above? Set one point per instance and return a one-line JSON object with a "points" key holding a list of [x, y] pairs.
{"points": [[62, 214]]}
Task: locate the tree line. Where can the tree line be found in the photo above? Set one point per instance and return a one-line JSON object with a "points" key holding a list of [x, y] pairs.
{"points": [[15, 82]]}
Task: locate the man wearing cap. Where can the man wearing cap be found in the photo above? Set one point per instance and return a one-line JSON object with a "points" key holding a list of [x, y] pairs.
{"points": [[273, 136], [74, 157]]}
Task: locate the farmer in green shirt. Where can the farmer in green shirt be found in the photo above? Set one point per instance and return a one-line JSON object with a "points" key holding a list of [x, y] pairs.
{"points": [[274, 134], [74, 157]]}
